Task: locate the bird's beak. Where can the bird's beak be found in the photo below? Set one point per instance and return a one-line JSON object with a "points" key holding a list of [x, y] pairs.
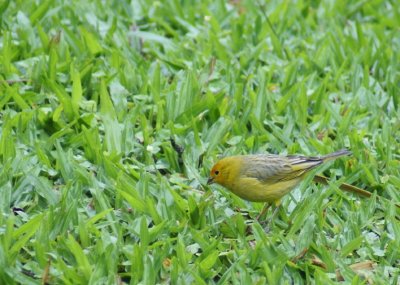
{"points": [[210, 181]]}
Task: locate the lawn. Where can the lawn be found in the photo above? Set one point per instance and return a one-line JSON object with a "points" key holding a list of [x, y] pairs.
{"points": [[113, 112]]}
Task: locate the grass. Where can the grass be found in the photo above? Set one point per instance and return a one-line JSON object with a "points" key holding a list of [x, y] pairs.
{"points": [[113, 112]]}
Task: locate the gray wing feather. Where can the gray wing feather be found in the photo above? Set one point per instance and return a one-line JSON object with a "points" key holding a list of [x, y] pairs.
{"points": [[271, 168], [267, 167]]}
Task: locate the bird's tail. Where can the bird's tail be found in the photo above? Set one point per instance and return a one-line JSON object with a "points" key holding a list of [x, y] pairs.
{"points": [[302, 164], [336, 154]]}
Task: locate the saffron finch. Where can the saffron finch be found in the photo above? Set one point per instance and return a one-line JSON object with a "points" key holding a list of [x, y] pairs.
{"points": [[267, 177]]}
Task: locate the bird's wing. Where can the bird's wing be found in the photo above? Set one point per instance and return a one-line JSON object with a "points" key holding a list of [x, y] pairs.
{"points": [[304, 163], [270, 168]]}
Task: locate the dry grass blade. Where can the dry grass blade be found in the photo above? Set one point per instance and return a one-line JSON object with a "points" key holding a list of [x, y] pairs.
{"points": [[364, 269]]}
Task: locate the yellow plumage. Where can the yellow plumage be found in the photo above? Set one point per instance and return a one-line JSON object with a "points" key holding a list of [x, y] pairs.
{"points": [[265, 177]]}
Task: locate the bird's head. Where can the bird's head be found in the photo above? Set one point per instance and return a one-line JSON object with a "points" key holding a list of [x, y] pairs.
{"points": [[224, 171]]}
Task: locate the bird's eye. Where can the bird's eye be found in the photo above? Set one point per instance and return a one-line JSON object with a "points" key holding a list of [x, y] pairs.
{"points": [[216, 172]]}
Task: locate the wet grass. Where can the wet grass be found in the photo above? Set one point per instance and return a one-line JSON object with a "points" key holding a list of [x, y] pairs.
{"points": [[112, 114]]}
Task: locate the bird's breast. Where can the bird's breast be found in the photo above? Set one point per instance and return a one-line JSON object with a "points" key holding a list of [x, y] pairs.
{"points": [[254, 190]]}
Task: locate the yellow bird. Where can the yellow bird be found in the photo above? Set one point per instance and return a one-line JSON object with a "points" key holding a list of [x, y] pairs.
{"points": [[268, 177]]}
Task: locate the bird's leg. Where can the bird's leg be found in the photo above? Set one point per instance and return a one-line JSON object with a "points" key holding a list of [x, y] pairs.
{"points": [[276, 210], [274, 213], [263, 211], [259, 216]]}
